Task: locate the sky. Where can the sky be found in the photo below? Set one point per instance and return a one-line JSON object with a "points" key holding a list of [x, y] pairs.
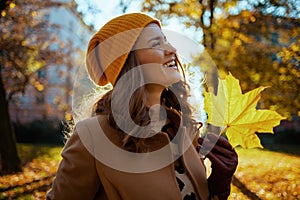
{"points": [[104, 10]]}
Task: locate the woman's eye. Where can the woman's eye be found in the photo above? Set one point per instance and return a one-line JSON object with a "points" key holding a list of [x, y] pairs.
{"points": [[160, 42], [156, 44]]}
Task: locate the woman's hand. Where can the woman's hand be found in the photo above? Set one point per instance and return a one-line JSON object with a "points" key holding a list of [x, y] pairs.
{"points": [[224, 161]]}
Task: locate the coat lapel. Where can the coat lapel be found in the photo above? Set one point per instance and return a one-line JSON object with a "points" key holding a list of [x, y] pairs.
{"points": [[194, 167]]}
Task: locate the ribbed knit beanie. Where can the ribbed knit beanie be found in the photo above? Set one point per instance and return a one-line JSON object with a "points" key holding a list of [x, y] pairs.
{"points": [[109, 48]]}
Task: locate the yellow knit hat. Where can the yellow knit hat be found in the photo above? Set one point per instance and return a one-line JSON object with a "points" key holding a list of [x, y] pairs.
{"points": [[109, 48]]}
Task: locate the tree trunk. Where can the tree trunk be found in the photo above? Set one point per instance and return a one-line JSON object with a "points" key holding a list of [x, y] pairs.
{"points": [[9, 159]]}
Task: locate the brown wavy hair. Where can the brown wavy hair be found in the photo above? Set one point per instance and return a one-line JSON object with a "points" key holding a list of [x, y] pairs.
{"points": [[137, 104]]}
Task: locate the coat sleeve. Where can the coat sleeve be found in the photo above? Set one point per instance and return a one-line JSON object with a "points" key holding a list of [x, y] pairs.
{"points": [[76, 177]]}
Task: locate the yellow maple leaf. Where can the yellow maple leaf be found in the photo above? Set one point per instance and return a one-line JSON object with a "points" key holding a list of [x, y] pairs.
{"points": [[238, 114]]}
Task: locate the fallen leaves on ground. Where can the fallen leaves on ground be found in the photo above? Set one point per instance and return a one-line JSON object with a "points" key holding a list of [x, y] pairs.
{"points": [[37, 174], [270, 175]]}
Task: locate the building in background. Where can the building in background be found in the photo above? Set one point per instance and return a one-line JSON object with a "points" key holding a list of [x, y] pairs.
{"points": [[50, 98]]}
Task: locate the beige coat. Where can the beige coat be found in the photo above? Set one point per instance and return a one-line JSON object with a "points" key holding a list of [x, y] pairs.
{"points": [[81, 176]]}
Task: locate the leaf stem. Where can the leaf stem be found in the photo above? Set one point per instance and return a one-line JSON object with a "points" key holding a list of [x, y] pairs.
{"points": [[223, 131]]}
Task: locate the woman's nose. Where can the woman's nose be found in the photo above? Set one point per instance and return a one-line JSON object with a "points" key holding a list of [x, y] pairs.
{"points": [[169, 48]]}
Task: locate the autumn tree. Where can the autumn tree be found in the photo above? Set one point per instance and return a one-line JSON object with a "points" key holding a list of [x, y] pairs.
{"points": [[26, 46], [256, 41], [249, 46]]}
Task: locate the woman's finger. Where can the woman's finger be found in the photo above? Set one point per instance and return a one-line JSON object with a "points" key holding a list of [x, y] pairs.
{"points": [[207, 146], [221, 141]]}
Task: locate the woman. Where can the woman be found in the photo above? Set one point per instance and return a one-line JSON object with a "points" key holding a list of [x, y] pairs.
{"points": [[142, 142]]}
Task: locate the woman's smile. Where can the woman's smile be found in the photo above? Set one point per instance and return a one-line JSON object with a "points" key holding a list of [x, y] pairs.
{"points": [[171, 64]]}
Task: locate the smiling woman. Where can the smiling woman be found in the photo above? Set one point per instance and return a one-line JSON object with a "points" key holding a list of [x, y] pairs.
{"points": [[141, 142], [153, 48]]}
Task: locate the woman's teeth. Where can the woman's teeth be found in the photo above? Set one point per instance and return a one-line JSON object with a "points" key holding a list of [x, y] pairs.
{"points": [[171, 64]]}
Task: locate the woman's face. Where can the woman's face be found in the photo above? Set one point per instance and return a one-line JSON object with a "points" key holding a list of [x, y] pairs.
{"points": [[157, 57]]}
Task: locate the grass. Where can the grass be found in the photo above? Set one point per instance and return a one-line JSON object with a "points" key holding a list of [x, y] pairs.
{"points": [[265, 174]]}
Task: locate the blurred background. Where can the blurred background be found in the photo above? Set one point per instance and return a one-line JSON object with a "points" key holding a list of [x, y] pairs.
{"points": [[42, 44]]}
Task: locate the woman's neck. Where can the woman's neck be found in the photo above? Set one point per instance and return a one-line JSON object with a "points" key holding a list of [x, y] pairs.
{"points": [[153, 93]]}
